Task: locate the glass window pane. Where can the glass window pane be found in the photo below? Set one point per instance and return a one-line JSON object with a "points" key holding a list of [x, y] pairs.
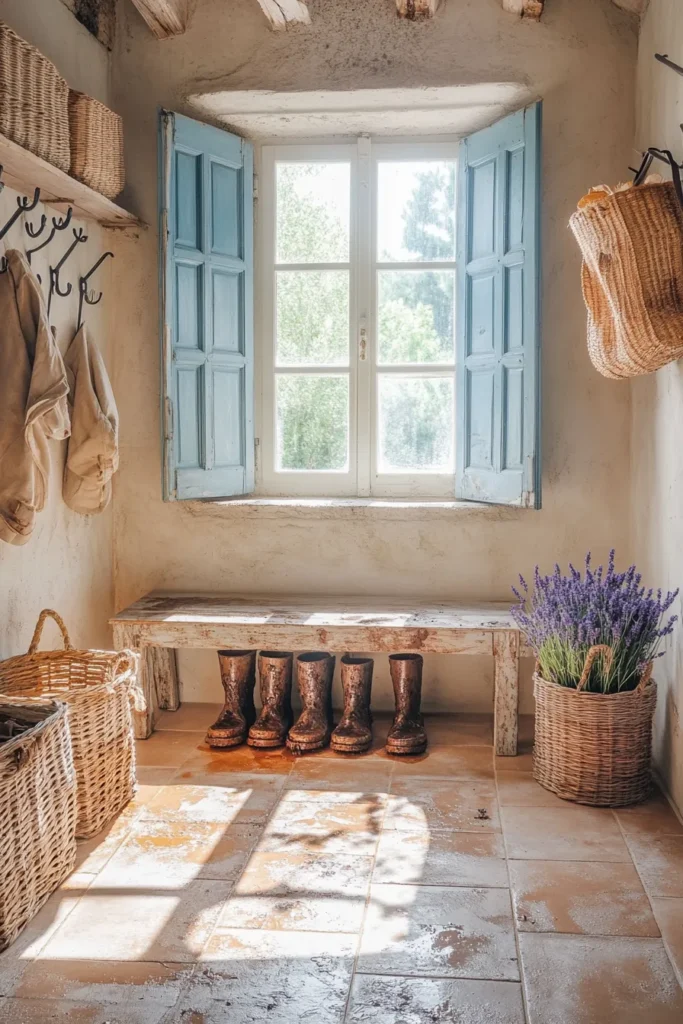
{"points": [[312, 421], [415, 424], [313, 202], [312, 318], [416, 210], [415, 316]]}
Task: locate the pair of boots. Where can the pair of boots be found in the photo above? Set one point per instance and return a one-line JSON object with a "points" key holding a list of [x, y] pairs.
{"points": [[313, 729], [273, 727]]}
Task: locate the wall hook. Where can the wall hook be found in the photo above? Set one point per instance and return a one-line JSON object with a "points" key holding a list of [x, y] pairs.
{"points": [[663, 58], [55, 286], [84, 296], [58, 224], [24, 205], [34, 232]]}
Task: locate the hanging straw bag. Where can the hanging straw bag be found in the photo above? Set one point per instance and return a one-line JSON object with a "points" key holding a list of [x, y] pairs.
{"points": [[38, 801], [632, 275], [594, 748], [99, 687]]}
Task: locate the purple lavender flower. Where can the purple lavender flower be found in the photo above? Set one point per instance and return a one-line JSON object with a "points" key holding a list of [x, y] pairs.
{"points": [[565, 616]]}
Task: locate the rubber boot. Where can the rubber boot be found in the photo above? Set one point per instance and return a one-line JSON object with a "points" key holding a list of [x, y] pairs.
{"points": [[313, 728], [238, 675], [407, 734], [271, 726], [353, 735]]}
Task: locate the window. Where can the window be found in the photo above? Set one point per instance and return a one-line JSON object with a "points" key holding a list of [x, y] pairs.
{"points": [[397, 342], [358, 252]]}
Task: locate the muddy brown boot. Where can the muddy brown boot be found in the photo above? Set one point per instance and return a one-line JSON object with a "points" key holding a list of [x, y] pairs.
{"points": [[238, 675], [353, 735], [407, 734], [314, 678], [275, 674]]}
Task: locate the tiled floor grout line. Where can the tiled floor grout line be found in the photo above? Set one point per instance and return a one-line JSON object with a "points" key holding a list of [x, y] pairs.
{"points": [[525, 1008], [196, 964], [354, 969], [665, 944]]}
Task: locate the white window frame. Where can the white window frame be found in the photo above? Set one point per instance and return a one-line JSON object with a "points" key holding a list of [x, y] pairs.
{"points": [[362, 479]]}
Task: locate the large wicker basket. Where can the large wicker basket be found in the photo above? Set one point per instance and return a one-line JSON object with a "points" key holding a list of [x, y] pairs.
{"points": [[34, 100], [99, 687], [96, 145], [594, 748], [38, 802]]}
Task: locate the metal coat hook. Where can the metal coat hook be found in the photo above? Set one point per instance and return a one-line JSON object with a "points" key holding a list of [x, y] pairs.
{"points": [[58, 224], [24, 205], [34, 232], [55, 286], [663, 58], [83, 294], [667, 157]]}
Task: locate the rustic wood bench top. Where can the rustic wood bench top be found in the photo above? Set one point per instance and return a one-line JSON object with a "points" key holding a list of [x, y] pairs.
{"points": [[160, 622], [373, 624]]}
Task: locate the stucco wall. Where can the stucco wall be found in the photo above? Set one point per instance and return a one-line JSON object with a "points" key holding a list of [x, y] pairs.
{"points": [[657, 484], [67, 564], [580, 59]]}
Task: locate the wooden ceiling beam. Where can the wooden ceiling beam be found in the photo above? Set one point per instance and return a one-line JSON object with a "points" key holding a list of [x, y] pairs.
{"points": [[282, 13], [414, 10], [166, 18], [532, 9]]}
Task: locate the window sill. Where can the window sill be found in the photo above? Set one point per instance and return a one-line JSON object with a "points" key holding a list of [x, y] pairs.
{"points": [[362, 509]]}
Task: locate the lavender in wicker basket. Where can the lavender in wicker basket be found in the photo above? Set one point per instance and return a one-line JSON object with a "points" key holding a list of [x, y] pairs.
{"points": [[567, 615]]}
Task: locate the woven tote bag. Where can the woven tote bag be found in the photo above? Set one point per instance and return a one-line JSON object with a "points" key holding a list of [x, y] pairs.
{"points": [[632, 278], [99, 687], [38, 801], [594, 748]]}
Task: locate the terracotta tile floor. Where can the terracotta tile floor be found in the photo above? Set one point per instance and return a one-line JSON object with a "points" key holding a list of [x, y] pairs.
{"points": [[256, 888]]}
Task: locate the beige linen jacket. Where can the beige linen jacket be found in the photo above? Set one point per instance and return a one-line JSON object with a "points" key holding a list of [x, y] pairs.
{"points": [[33, 405], [93, 455]]}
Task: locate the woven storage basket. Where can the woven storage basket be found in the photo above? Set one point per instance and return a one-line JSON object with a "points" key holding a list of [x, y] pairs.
{"points": [[98, 686], [632, 277], [38, 802], [34, 100], [594, 748], [96, 145]]}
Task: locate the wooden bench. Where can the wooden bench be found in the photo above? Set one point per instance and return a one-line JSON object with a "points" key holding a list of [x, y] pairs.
{"points": [[160, 623]]}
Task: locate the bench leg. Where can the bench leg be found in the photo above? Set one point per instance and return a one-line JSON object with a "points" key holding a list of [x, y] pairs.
{"points": [[143, 721], [162, 666], [506, 691]]}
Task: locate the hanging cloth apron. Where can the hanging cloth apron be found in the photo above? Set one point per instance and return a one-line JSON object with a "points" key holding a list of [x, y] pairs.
{"points": [[93, 455], [33, 405]]}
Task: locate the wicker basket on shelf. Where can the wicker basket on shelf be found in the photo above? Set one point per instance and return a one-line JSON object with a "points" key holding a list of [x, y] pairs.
{"points": [[34, 100], [99, 687], [96, 145], [38, 801], [594, 748]]}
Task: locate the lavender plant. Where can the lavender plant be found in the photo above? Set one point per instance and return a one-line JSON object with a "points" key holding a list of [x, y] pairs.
{"points": [[565, 616]]}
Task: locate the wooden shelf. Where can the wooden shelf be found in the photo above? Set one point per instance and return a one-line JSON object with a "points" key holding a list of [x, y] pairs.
{"points": [[25, 171]]}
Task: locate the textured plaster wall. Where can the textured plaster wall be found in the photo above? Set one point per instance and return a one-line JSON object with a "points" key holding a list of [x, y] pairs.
{"points": [[580, 59], [67, 564], [657, 423]]}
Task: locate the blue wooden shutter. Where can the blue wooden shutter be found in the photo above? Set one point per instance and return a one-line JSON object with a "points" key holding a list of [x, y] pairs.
{"points": [[497, 349], [206, 198]]}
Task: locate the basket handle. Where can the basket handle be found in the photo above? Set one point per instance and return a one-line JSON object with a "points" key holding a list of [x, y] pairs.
{"points": [[37, 632], [645, 678], [590, 658], [128, 667]]}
